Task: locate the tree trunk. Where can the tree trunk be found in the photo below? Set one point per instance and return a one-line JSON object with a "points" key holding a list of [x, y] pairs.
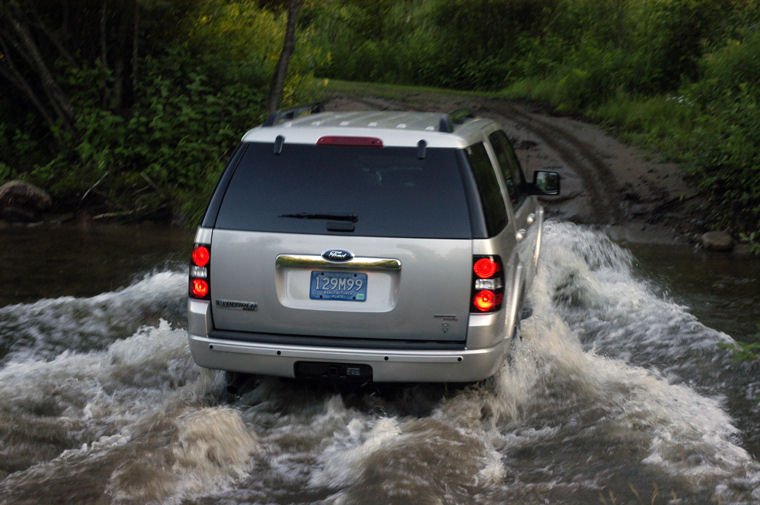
{"points": [[620, 23], [288, 47], [135, 47], [106, 96], [58, 99], [52, 37], [9, 70]]}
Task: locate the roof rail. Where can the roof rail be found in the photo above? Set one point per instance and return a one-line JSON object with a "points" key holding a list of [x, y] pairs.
{"points": [[460, 115], [455, 117], [445, 125], [290, 113]]}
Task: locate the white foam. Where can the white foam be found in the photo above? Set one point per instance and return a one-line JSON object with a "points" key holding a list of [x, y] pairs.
{"points": [[149, 421], [342, 461], [690, 435], [50, 326], [139, 405], [624, 317], [208, 449]]}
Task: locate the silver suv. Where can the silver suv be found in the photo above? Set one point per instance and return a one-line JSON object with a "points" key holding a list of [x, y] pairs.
{"points": [[383, 246]]}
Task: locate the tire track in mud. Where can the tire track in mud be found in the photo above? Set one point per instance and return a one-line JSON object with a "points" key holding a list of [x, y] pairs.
{"points": [[578, 156]]}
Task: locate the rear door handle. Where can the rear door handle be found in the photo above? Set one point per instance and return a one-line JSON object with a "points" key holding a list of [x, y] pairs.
{"points": [[314, 261]]}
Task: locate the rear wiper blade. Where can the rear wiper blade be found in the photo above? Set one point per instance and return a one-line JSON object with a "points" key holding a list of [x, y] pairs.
{"points": [[333, 217]]}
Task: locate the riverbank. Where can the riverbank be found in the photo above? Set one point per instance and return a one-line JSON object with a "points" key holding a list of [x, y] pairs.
{"points": [[628, 192]]}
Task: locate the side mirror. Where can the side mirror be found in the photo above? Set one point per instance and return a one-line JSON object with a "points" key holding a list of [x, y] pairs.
{"points": [[545, 182]]}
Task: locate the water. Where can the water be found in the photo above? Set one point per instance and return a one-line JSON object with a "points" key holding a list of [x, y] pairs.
{"points": [[616, 393]]}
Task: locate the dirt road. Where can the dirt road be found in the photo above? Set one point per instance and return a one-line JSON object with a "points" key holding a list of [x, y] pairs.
{"points": [[622, 189]]}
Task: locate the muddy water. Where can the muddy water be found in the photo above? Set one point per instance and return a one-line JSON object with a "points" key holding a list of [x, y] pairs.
{"points": [[616, 393]]}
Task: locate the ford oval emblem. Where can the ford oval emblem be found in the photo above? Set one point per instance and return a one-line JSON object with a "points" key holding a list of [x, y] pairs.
{"points": [[337, 255]]}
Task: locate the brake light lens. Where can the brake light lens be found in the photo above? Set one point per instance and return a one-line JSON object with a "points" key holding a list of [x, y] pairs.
{"points": [[484, 300], [199, 288], [336, 140], [201, 256], [486, 267], [200, 261], [487, 284]]}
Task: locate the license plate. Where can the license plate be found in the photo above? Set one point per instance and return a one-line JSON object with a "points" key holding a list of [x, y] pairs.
{"points": [[348, 286]]}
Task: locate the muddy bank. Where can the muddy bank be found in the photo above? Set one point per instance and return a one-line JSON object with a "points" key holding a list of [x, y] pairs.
{"points": [[628, 192]]}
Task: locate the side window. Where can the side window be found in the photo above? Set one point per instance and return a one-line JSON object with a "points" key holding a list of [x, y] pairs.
{"points": [[510, 167], [488, 187]]}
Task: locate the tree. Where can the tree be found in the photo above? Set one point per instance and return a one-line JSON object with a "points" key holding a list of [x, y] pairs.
{"points": [[58, 56], [288, 46], [27, 66]]}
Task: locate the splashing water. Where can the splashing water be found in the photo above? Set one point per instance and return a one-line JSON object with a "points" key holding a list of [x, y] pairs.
{"points": [[51, 326], [611, 392]]}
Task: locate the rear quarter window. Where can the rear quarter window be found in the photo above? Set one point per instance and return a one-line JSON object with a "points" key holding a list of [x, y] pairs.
{"points": [[494, 210], [389, 191], [510, 167]]}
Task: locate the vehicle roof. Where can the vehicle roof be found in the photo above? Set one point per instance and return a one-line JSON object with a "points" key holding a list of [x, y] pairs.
{"points": [[394, 128]]}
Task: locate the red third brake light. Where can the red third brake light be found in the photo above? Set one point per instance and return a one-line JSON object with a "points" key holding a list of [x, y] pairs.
{"points": [[335, 140]]}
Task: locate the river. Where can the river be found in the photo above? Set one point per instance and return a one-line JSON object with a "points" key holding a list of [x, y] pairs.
{"points": [[617, 391]]}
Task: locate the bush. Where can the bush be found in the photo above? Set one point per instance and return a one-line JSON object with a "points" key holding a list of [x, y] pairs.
{"points": [[726, 141], [194, 99]]}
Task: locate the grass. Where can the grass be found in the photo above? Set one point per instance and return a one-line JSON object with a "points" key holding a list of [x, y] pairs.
{"points": [[661, 123], [394, 91]]}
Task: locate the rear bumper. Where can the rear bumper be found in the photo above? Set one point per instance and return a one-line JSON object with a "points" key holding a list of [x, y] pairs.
{"points": [[388, 365]]}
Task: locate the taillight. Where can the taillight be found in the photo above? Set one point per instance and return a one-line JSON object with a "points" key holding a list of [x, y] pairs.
{"points": [[484, 268], [200, 261], [199, 288], [487, 284], [201, 256]]}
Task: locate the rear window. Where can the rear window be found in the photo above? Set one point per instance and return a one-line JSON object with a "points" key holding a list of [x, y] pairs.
{"points": [[384, 192]]}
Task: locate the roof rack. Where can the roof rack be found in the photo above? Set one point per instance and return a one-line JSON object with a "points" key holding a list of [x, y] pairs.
{"points": [[455, 117], [291, 113]]}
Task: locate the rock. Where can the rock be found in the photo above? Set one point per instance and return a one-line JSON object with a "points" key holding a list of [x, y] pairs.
{"points": [[717, 241], [21, 201]]}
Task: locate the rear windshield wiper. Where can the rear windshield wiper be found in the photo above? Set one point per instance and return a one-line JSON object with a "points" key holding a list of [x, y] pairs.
{"points": [[332, 217]]}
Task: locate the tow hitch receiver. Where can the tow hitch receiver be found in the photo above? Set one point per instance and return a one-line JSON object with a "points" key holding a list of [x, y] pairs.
{"points": [[333, 371]]}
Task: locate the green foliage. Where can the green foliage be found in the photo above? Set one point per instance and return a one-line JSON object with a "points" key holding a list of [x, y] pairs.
{"points": [[679, 75], [743, 351], [660, 121], [361, 41], [753, 239], [6, 173], [481, 38], [586, 46], [685, 79], [195, 97], [178, 129], [725, 148]]}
